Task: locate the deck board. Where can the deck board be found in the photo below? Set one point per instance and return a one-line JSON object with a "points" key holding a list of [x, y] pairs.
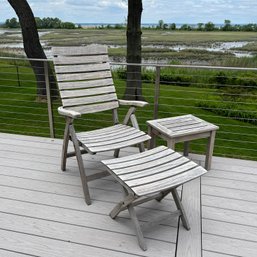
{"points": [[43, 213]]}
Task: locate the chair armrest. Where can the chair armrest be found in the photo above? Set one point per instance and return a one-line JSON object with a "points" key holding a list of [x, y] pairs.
{"points": [[69, 113], [133, 103]]}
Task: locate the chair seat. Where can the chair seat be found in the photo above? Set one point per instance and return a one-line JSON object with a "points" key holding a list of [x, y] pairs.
{"points": [[153, 171], [111, 138]]}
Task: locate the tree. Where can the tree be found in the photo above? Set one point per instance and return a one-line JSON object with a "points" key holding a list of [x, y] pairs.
{"points": [[32, 46], [227, 25], [185, 27], [172, 26], [134, 84], [209, 26], [200, 26], [11, 23], [160, 24]]}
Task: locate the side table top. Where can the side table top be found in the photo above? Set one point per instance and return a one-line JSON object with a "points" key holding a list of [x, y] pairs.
{"points": [[181, 125]]}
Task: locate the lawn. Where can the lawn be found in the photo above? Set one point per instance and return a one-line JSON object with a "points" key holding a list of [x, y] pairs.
{"points": [[22, 114]]}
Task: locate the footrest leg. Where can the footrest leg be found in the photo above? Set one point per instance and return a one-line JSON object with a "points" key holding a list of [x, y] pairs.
{"points": [[140, 237], [181, 208]]}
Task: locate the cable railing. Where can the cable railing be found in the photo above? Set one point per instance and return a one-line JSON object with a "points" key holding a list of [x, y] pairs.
{"points": [[225, 96]]}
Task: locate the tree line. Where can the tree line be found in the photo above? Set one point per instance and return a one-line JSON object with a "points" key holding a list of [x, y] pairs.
{"points": [[209, 26], [44, 23]]}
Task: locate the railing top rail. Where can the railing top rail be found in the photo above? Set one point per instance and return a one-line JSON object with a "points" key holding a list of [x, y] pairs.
{"points": [[25, 59], [185, 66], [146, 64]]}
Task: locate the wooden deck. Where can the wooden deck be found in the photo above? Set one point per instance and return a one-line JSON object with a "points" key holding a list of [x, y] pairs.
{"points": [[43, 213]]}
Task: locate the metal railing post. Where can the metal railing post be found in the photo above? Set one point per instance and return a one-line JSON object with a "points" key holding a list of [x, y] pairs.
{"points": [[157, 91], [49, 100]]}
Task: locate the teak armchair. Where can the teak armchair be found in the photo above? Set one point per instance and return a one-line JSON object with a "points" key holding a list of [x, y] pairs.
{"points": [[86, 86]]}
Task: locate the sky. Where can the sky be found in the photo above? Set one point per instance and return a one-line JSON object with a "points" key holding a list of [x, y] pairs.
{"points": [[115, 11]]}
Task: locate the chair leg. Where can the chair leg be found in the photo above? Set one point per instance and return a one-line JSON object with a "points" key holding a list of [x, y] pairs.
{"points": [[163, 194], [80, 164], [139, 232], [65, 146], [116, 153], [181, 208]]}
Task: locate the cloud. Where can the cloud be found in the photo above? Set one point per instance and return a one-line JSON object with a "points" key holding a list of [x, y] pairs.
{"points": [[114, 11]]}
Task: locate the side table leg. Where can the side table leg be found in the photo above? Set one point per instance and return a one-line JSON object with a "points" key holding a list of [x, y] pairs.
{"points": [[152, 141], [209, 150], [186, 148], [171, 144]]}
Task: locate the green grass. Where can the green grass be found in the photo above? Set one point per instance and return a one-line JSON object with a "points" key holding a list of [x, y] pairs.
{"points": [[22, 114]]}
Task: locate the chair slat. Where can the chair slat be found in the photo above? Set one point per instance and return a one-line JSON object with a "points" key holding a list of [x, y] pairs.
{"points": [[154, 178], [82, 68], [162, 185], [120, 145], [63, 60], [117, 140], [89, 100], [136, 156], [144, 166], [153, 157], [85, 84], [87, 92], [92, 108], [152, 171], [102, 131], [83, 76], [116, 132], [80, 50]]}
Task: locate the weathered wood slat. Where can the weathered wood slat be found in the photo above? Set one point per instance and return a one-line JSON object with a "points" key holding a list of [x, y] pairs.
{"points": [[85, 84], [109, 135], [89, 100], [153, 171], [135, 156], [101, 132], [110, 141], [150, 164], [82, 68], [83, 76], [158, 177], [87, 92], [185, 129], [169, 182], [174, 125], [95, 107], [62, 60], [137, 140], [146, 159], [80, 50]]}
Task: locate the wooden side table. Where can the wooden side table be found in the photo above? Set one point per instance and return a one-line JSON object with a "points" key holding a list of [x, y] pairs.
{"points": [[183, 129]]}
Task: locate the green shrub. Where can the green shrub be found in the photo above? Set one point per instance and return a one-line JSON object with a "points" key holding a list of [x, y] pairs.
{"points": [[230, 110]]}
